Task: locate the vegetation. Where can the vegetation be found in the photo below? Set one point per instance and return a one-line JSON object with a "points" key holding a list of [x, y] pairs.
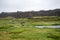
{"points": [[24, 28]]}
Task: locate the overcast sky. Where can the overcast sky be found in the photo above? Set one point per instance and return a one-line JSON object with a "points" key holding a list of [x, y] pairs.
{"points": [[28, 5]]}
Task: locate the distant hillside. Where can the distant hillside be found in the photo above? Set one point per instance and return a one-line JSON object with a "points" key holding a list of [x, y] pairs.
{"points": [[29, 14]]}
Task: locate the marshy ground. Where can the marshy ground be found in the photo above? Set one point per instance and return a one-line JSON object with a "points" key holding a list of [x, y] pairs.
{"points": [[24, 28]]}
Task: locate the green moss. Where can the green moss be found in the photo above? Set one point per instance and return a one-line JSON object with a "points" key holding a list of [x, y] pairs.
{"points": [[24, 28]]}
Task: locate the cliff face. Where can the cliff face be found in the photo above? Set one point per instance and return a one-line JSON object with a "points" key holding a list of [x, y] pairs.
{"points": [[30, 14]]}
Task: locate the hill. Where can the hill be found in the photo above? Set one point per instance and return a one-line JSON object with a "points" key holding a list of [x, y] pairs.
{"points": [[29, 14]]}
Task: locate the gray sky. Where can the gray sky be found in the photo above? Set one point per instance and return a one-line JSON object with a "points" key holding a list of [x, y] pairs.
{"points": [[28, 5]]}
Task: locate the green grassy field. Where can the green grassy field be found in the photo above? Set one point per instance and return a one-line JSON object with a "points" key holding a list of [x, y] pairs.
{"points": [[24, 28]]}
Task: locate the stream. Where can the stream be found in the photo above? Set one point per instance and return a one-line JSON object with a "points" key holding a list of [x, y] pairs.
{"points": [[47, 26]]}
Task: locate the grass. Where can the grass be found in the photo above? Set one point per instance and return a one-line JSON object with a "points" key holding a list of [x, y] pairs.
{"points": [[24, 28], [30, 34]]}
